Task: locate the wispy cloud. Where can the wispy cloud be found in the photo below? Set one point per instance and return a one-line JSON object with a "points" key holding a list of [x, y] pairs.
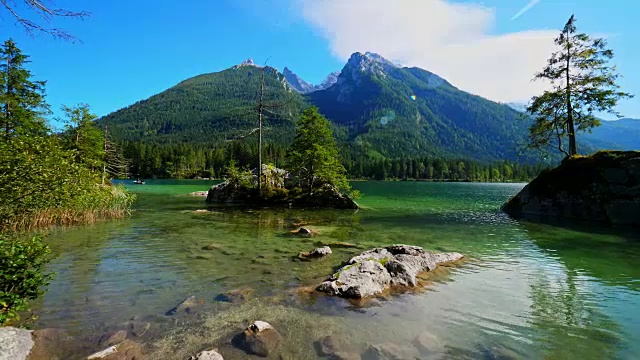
{"points": [[452, 39], [527, 7]]}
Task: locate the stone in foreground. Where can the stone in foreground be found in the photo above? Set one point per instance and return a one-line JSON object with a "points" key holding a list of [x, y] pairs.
{"points": [[317, 253], [603, 187], [207, 355], [376, 270], [15, 344], [260, 338]]}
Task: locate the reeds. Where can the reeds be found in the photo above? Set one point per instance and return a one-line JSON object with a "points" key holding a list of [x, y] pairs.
{"points": [[106, 202]]}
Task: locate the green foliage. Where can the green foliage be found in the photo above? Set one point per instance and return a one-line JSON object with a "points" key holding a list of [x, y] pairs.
{"points": [[239, 178], [313, 159], [21, 100], [46, 180], [582, 84], [22, 277], [84, 137], [209, 109]]}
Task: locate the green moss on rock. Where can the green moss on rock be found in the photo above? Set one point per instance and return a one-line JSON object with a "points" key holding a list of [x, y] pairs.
{"points": [[601, 187]]}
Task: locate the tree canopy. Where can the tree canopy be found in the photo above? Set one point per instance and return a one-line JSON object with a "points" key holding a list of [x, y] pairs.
{"points": [[313, 157], [582, 84]]}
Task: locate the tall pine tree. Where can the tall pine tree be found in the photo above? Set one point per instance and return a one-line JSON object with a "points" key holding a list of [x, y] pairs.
{"points": [[313, 157], [22, 99], [582, 83]]}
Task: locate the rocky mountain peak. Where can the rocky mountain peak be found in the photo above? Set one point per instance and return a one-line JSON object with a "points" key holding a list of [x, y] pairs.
{"points": [[248, 62], [296, 82]]}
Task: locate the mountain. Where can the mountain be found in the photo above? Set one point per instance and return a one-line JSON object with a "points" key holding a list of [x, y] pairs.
{"points": [[210, 108], [304, 87], [296, 82], [622, 134], [328, 81], [400, 111], [380, 110]]}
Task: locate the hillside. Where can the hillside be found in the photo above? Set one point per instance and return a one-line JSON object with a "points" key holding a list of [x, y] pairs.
{"points": [[389, 121], [209, 108], [412, 112]]}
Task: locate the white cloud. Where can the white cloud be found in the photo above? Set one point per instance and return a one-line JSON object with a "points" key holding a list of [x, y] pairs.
{"points": [[453, 40], [526, 8]]}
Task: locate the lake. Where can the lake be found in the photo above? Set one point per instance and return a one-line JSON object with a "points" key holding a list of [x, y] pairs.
{"points": [[525, 290]]}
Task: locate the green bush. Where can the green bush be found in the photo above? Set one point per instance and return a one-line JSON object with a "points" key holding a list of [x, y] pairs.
{"points": [[22, 276]]}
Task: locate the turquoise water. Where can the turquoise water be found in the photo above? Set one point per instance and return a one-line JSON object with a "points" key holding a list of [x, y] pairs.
{"points": [[525, 291]]}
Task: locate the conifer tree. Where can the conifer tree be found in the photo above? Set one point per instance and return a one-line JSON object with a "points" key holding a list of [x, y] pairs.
{"points": [[582, 84], [22, 100], [313, 157]]}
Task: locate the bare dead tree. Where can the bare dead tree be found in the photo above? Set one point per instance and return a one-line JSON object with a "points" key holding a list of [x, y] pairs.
{"points": [[46, 12], [115, 165], [265, 109]]}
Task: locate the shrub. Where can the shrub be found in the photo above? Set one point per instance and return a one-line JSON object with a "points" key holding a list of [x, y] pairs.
{"points": [[22, 276]]}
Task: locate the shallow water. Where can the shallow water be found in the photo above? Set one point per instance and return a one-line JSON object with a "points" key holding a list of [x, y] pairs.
{"points": [[526, 290]]}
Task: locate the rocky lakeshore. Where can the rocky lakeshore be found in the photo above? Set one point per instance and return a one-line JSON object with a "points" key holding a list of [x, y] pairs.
{"points": [[603, 187]]}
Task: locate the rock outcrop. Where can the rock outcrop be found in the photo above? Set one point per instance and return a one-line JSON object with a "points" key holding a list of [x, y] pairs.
{"points": [[260, 338], [603, 187], [376, 270], [243, 190]]}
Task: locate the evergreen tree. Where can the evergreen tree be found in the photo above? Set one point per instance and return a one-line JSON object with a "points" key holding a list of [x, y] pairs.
{"points": [[84, 137], [21, 98], [582, 83], [313, 157]]}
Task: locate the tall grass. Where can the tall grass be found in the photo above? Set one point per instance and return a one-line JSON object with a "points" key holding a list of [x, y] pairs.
{"points": [[108, 202]]}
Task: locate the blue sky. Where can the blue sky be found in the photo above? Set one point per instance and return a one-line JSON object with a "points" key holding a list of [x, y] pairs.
{"points": [[131, 50]]}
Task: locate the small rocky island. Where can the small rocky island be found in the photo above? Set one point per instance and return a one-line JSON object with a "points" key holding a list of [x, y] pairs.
{"points": [[378, 270], [603, 187], [278, 189]]}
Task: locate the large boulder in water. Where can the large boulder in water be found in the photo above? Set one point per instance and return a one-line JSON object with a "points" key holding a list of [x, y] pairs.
{"points": [[376, 270], [260, 338], [603, 187]]}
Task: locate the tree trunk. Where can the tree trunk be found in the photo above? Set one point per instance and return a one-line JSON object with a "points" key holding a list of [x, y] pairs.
{"points": [[570, 125]]}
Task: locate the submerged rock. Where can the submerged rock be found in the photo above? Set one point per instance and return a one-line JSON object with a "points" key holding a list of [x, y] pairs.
{"points": [[207, 355], [303, 231], [260, 338], [52, 343], [235, 296], [317, 253], [184, 307], [428, 344], [126, 350], [330, 346], [376, 270], [15, 343], [113, 338], [390, 351], [603, 187]]}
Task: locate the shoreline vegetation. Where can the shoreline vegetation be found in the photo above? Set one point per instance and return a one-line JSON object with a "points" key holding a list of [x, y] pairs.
{"points": [[46, 179]]}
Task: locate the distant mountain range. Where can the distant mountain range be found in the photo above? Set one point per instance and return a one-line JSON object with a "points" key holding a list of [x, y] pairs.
{"points": [[621, 134], [379, 110]]}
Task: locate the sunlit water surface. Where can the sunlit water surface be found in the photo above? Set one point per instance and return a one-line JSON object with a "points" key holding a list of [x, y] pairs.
{"points": [[525, 291]]}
